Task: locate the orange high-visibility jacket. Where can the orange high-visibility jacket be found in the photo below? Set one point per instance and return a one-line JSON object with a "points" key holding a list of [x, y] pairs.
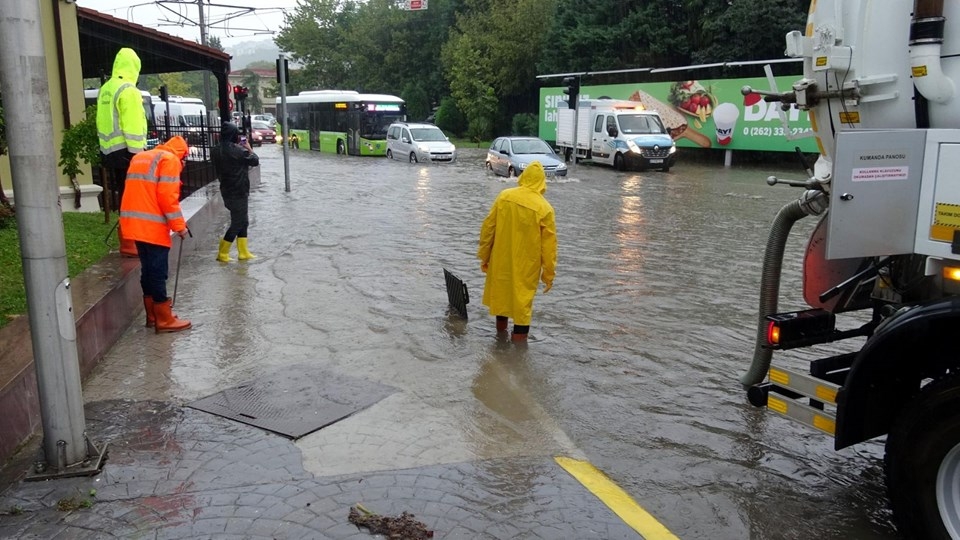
{"points": [[150, 207]]}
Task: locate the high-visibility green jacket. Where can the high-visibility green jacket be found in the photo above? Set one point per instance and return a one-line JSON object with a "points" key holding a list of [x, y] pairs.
{"points": [[121, 119]]}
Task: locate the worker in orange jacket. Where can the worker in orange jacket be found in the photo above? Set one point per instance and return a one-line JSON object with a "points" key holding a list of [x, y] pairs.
{"points": [[149, 210]]}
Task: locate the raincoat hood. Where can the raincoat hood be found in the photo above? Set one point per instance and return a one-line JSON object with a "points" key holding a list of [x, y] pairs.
{"points": [[126, 65], [229, 133], [176, 145], [534, 178]]}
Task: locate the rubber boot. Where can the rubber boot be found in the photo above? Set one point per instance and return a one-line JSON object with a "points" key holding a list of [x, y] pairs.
{"points": [[501, 324], [166, 320], [518, 338], [242, 249], [224, 254], [148, 308], [128, 247]]}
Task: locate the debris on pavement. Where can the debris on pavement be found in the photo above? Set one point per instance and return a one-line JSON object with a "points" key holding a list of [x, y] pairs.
{"points": [[402, 527]]}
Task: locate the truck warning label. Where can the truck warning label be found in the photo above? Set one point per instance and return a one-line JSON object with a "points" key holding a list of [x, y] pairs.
{"points": [[878, 174], [946, 219]]}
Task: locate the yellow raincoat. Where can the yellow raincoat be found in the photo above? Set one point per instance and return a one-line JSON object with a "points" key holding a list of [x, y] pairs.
{"points": [[518, 247]]}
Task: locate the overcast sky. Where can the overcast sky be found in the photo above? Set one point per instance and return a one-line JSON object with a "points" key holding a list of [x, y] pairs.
{"points": [[181, 18]]}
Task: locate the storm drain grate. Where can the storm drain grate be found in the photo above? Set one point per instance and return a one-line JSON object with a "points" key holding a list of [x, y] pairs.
{"points": [[457, 293], [296, 402]]}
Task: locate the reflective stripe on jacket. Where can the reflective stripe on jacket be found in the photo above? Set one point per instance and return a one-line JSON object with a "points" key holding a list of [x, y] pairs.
{"points": [[121, 118], [150, 207]]}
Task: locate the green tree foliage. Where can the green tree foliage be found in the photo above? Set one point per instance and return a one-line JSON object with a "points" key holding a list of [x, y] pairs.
{"points": [[525, 124], [752, 30], [450, 118], [418, 104], [252, 81], [80, 144], [214, 41]]}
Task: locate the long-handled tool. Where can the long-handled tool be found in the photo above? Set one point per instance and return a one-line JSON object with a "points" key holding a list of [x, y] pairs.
{"points": [[176, 278]]}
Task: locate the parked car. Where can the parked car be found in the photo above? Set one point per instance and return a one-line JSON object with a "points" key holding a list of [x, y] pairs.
{"points": [[419, 142], [261, 132], [509, 156]]}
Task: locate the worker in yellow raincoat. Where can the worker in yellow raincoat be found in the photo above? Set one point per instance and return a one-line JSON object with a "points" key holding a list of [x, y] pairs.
{"points": [[518, 249]]}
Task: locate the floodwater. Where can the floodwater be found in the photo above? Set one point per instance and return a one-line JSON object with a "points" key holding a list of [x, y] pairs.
{"points": [[634, 356]]}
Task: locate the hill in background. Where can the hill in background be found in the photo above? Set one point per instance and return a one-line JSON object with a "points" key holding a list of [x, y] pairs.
{"points": [[264, 50]]}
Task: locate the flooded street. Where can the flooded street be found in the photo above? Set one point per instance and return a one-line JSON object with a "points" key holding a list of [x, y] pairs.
{"points": [[634, 356]]}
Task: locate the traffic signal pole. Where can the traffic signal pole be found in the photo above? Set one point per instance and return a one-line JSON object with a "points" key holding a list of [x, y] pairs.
{"points": [[26, 94], [284, 129]]}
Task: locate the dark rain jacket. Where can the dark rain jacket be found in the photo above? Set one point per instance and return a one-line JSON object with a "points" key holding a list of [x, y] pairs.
{"points": [[231, 162]]}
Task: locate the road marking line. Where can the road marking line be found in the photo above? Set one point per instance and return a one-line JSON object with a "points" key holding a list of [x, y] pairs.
{"points": [[616, 499]]}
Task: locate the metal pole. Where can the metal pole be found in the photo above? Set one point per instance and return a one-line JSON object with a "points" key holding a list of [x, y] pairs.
{"points": [[53, 332], [283, 122], [206, 73]]}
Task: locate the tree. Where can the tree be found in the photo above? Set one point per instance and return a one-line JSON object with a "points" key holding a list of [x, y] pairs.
{"points": [[214, 41], [752, 30], [252, 81], [418, 104]]}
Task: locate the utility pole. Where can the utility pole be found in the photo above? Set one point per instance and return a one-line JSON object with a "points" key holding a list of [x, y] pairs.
{"points": [[285, 130], [206, 73], [26, 93]]}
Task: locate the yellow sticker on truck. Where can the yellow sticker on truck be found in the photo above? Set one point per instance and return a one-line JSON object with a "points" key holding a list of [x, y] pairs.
{"points": [[946, 220]]}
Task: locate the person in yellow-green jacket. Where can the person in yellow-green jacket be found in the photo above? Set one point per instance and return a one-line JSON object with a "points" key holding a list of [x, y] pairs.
{"points": [[518, 249], [121, 125]]}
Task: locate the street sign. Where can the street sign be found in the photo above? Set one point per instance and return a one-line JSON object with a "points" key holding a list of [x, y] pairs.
{"points": [[416, 5]]}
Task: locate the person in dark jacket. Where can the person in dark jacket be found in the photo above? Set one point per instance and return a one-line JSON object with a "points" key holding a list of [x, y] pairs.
{"points": [[231, 161]]}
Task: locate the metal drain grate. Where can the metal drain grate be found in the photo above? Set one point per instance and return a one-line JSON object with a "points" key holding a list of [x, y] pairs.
{"points": [[296, 402], [457, 293]]}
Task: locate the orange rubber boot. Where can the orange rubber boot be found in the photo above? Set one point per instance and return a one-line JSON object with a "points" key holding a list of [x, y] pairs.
{"points": [[166, 320], [148, 308]]}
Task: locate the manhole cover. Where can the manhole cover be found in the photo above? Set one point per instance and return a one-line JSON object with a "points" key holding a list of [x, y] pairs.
{"points": [[296, 402]]}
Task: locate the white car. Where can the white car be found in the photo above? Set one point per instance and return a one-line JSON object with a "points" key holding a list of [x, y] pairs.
{"points": [[418, 142]]}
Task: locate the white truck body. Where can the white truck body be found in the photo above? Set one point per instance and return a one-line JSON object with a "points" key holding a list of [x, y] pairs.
{"points": [[614, 132], [880, 82]]}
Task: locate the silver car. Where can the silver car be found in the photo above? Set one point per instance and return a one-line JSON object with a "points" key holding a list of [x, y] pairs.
{"points": [[419, 142], [509, 156]]}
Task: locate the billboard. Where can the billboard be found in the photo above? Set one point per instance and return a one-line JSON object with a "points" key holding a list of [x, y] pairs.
{"points": [[701, 114]]}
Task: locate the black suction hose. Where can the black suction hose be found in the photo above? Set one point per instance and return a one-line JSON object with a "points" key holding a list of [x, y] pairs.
{"points": [[770, 287]]}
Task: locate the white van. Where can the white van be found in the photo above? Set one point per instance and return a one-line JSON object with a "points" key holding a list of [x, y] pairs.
{"points": [[188, 117], [419, 142]]}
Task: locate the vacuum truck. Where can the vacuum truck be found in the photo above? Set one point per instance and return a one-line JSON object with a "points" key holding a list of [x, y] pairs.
{"points": [[874, 355]]}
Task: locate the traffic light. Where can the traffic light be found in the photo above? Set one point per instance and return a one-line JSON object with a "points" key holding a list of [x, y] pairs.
{"points": [[571, 87], [237, 92], [163, 93]]}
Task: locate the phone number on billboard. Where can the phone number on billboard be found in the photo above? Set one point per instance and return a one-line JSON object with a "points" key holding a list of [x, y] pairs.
{"points": [[772, 131]]}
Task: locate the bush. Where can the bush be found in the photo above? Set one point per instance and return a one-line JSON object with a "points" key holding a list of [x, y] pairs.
{"points": [[525, 124], [450, 118]]}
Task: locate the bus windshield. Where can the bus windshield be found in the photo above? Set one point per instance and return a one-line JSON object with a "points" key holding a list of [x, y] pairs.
{"points": [[374, 125]]}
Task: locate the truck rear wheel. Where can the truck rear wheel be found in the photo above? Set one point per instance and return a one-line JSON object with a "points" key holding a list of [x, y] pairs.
{"points": [[923, 463]]}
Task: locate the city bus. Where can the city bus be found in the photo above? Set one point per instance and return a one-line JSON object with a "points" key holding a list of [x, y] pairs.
{"points": [[342, 121]]}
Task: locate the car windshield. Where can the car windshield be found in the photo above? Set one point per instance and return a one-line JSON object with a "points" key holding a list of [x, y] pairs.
{"points": [[427, 134], [640, 123], [531, 146], [260, 125]]}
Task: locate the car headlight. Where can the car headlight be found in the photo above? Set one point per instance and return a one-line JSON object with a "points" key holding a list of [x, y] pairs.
{"points": [[633, 147], [424, 148], [562, 166], [522, 165], [673, 149]]}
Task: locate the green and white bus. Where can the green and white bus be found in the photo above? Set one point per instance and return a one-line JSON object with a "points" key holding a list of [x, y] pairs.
{"points": [[342, 121]]}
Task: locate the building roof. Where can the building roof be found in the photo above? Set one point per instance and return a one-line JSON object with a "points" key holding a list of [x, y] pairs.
{"points": [[102, 35]]}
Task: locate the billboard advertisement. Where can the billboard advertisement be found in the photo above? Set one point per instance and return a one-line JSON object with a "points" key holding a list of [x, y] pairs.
{"points": [[702, 114]]}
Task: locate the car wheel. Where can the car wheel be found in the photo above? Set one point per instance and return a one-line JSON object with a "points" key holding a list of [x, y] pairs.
{"points": [[340, 148], [489, 166], [413, 157], [665, 169], [922, 463], [618, 162], [511, 172], [389, 154]]}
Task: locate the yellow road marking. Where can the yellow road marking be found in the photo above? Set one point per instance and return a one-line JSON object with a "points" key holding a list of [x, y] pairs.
{"points": [[616, 499]]}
